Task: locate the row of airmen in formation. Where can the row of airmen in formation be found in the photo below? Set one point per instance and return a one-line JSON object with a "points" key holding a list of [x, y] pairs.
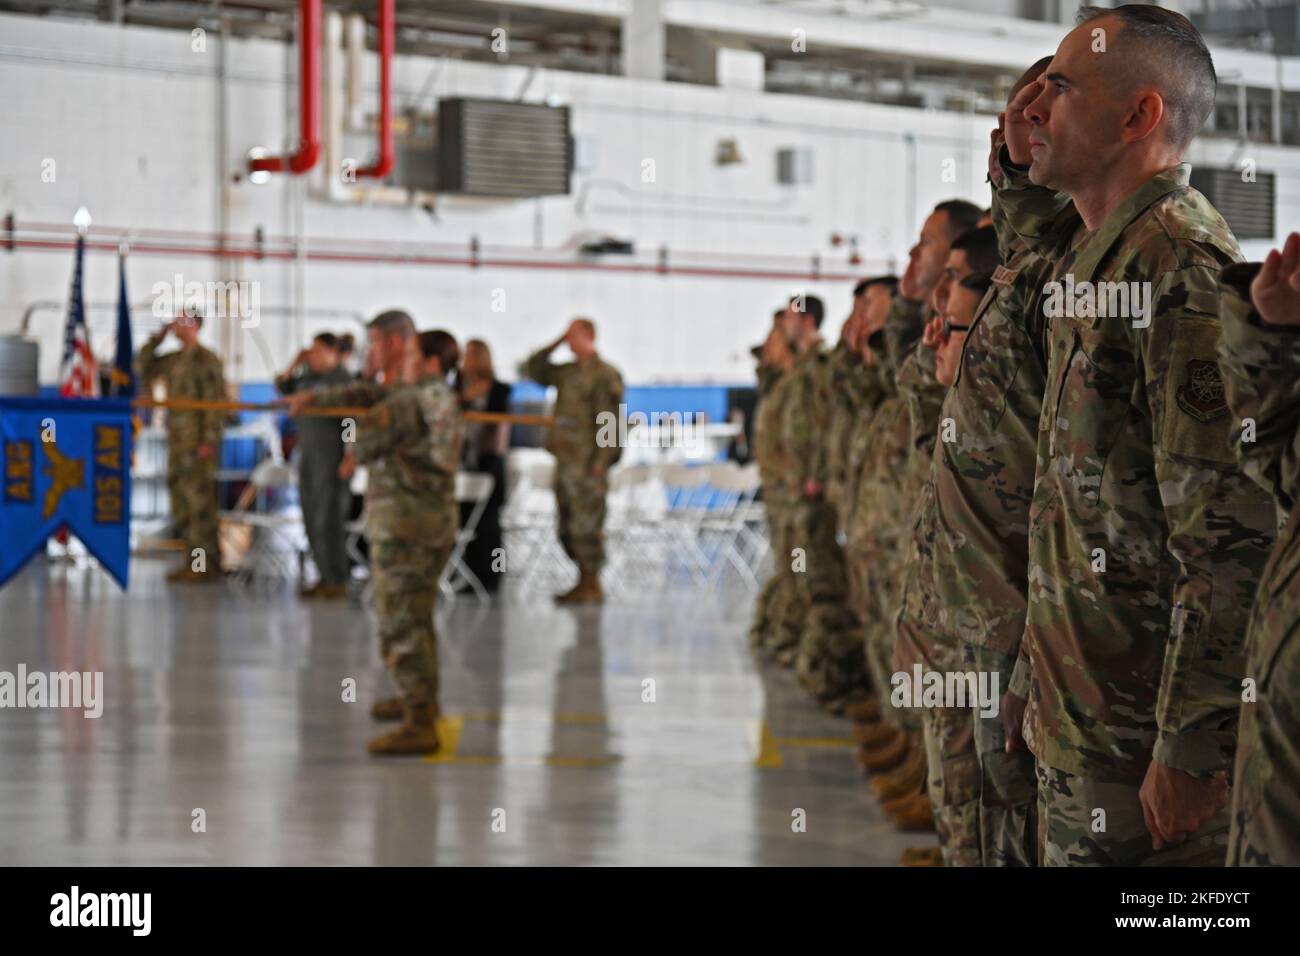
{"points": [[993, 474]]}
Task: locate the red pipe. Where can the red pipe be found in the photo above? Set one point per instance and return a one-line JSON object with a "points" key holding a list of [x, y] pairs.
{"points": [[387, 33], [309, 20]]}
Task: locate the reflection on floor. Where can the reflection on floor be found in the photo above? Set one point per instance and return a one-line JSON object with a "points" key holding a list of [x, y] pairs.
{"points": [[640, 733]]}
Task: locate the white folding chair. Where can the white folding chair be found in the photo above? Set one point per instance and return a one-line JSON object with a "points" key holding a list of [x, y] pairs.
{"points": [[688, 495], [273, 533], [476, 487], [736, 488]]}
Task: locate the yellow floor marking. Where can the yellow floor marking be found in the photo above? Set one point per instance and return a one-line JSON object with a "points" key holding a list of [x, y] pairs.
{"points": [[449, 729], [769, 755], [582, 761], [487, 717]]}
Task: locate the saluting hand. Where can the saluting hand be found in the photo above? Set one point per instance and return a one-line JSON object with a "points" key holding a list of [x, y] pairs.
{"points": [[1015, 112], [1276, 290], [933, 335]]}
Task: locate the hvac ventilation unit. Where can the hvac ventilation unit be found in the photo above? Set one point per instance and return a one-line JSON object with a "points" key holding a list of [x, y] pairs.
{"points": [[503, 149], [1248, 206]]}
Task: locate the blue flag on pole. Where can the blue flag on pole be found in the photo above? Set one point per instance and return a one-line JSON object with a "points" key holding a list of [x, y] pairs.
{"points": [[65, 463], [122, 376]]}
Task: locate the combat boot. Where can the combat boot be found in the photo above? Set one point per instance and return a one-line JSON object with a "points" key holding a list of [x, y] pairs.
{"points": [[887, 757], [387, 708], [922, 856], [912, 814], [907, 777], [864, 710], [586, 591], [417, 736]]}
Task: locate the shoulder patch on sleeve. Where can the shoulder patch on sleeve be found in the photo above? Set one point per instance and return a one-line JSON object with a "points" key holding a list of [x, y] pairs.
{"points": [[1197, 421]]}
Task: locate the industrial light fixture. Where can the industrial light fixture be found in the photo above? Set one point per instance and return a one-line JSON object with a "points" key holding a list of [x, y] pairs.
{"points": [[258, 176]]}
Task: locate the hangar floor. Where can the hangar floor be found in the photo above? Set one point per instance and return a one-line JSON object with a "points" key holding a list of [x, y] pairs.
{"points": [[230, 701]]}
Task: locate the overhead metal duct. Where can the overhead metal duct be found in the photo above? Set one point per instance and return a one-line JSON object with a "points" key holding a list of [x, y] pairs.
{"points": [[503, 149]]}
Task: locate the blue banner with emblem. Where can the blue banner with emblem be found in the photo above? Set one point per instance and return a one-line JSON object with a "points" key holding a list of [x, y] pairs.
{"points": [[65, 463]]}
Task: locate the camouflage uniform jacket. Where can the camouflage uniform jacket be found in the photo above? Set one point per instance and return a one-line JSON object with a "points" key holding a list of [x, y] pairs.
{"points": [[983, 478], [1261, 365], [1146, 538], [583, 391], [839, 423], [857, 390], [803, 424], [410, 441], [187, 373], [774, 467], [924, 396]]}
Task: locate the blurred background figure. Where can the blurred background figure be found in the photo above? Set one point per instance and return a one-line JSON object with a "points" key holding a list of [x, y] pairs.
{"points": [[193, 441], [484, 450], [348, 360], [322, 487]]}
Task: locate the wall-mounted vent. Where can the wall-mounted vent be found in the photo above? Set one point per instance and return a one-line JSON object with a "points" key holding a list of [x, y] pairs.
{"points": [[1245, 198], [503, 149]]}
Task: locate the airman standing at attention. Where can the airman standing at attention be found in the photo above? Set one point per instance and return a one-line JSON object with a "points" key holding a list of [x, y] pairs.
{"points": [[771, 615], [1147, 540]]}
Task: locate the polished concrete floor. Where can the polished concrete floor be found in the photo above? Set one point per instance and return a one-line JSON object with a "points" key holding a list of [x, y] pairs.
{"points": [[230, 701]]}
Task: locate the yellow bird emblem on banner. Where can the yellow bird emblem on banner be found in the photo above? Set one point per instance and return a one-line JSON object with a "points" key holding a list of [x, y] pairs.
{"points": [[68, 473]]}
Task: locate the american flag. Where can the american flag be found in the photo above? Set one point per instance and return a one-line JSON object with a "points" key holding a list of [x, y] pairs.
{"points": [[78, 371]]}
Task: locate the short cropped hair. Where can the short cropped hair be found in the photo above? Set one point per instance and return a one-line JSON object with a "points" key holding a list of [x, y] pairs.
{"points": [[963, 216], [865, 284], [327, 339], [1162, 48], [811, 305], [394, 322], [981, 248]]}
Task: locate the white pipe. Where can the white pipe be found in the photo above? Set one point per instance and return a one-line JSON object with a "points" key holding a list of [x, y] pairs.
{"points": [[356, 41], [332, 77]]}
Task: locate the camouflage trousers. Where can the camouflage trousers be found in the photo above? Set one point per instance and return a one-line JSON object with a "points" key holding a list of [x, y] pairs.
{"points": [[952, 767], [1008, 808], [830, 661], [770, 610], [787, 608], [580, 506], [405, 576], [874, 594], [1091, 823], [192, 487]]}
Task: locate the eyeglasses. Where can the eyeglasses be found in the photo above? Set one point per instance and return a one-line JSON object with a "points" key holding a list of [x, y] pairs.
{"points": [[949, 327]]}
